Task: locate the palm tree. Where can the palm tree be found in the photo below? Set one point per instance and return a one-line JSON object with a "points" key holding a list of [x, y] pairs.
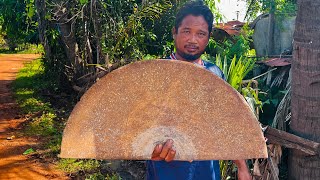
{"points": [[305, 103]]}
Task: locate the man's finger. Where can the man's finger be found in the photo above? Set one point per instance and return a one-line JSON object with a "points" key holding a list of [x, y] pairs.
{"points": [[170, 156], [166, 148], [156, 152]]}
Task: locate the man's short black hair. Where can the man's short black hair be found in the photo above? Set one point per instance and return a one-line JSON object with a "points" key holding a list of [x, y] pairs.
{"points": [[195, 8]]}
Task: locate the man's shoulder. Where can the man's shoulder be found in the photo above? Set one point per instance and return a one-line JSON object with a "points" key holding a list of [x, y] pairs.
{"points": [[213, 68], [209, 64]]}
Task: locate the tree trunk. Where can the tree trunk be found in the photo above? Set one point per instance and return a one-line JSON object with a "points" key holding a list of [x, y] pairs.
{"points": [[306, 89], [271, 28], [42, 26], [67, 32]]}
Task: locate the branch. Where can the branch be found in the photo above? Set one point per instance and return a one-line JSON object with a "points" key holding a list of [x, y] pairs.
{"points": [[288, 140]]}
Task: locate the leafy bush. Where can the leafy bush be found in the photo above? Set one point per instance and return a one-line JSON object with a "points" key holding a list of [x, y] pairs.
{"points": [[32, 105], [234, 46], [43, 125], [18, 23], [282, 8]]}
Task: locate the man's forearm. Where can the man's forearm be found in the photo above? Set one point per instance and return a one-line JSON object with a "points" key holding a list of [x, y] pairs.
{"points": [[241, 164], [243, 171]]}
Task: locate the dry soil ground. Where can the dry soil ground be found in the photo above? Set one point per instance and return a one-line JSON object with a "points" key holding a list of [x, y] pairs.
{"points": [[13, 164]]}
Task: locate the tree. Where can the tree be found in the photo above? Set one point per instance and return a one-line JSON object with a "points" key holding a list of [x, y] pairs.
{"points": [[305, 120], [280, 8], [79, 36], [17, 22]]}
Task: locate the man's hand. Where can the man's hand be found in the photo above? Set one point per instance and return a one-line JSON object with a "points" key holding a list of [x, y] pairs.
{"points": [[243, 171], [164, 151]]}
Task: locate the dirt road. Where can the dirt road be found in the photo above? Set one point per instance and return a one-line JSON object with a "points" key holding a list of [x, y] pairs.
{"points": [[13, 164]]}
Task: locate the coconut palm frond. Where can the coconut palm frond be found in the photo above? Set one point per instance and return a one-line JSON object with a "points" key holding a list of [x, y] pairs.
{"points": [[280, 77], [269, 77], [264, 74], [289, 79], [149, 11], [153, 11], [283, 114], [283, 110]]}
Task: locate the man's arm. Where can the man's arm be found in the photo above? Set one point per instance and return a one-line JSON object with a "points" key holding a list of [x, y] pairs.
{"points": [[243, 171]]}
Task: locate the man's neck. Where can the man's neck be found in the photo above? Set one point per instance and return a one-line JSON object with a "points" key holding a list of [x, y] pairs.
{"points": [[197, 61]]}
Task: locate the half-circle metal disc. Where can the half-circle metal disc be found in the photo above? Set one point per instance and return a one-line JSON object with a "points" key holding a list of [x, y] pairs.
{"points": [[127, 112]]}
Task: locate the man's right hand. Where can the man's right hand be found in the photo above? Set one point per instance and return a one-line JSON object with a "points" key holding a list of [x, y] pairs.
{"points": [[164, 152]]}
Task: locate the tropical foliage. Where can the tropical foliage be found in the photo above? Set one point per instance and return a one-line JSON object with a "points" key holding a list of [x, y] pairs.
{"points": [[280, 7], [103, 34], [18, 24]]}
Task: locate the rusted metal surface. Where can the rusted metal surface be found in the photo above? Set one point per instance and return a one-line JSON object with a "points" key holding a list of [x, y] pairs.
{"points": [[127, 112], [276, 62], [231, 27]]}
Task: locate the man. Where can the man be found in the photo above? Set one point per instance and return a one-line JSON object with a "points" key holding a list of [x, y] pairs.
{"points": [[191, 35]]}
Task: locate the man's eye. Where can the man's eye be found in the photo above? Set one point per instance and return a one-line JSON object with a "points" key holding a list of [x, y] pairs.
{"points": [[201, 34], [186, 31]]}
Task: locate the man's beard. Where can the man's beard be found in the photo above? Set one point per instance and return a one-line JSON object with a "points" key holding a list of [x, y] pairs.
{"points": [[189, 57]]}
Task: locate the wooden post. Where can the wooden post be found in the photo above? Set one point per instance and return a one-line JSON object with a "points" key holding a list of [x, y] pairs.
{"points": [[271, 28]]}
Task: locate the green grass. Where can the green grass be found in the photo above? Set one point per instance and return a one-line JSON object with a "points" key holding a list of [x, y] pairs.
{"points": [[54, 144], [23, 49], [31, 78], [26, 87], [90, 167], [75, 165], [30, 83], [43, 125]]}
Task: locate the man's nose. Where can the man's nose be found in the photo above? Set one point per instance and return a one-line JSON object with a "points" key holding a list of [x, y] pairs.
{"points": [[192, 38]]}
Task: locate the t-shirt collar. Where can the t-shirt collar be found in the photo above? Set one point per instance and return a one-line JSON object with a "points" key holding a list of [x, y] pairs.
{"points": [[173, 56]]}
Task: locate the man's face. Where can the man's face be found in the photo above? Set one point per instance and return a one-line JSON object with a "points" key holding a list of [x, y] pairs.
{"points": [[191, 38]]}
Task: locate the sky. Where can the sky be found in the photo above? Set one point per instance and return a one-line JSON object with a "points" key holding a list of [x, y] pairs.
{"points": [[229, 9]]}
